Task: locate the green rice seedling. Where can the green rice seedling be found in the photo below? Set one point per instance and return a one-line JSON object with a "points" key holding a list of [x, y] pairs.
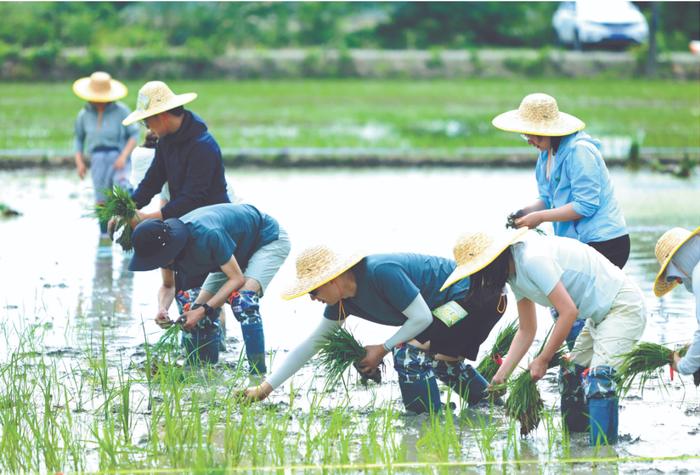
{"points": [[339, 352], [489, 365], [644, 361], [119, 205], [524, 402]]}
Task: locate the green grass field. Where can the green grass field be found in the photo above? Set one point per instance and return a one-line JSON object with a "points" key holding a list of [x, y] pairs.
{"points": [[443, 115]]}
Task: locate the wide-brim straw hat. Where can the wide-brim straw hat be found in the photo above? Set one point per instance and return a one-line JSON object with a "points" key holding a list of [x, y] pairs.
{"points": [[538, 114], [476, 250], [156, 97], [99, 87], [318, 265], [666, 247]]}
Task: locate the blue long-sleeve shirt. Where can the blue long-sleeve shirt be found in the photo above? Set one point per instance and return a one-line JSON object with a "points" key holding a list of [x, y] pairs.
{"points": [[190, 162], [110, 132], [579, 176]]}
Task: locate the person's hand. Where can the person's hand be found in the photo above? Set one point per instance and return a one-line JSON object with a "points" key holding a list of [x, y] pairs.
{"points": [[531, 220], [375, 355], [259, 392], [676, 359], [162, 319], [497, 387], [191, 318], [81, 168], [538, 368], [510, 221], [138, 217], [120, 162], [111, 226]]}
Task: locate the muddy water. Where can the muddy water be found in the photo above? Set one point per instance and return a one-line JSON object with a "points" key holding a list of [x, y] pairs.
{"points": [[54, 273]]}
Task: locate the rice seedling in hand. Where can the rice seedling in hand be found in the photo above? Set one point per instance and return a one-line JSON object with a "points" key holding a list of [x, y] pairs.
{"points": [[644, 361], [339, 352], [524, 402], [489, 365], [119, 205]]}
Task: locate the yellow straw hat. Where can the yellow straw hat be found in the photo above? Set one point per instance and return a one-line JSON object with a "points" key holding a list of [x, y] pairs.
{"points": [[476, 250], [156, 97], [99, 87], [538, 114], [316, 266], [667, 245]]}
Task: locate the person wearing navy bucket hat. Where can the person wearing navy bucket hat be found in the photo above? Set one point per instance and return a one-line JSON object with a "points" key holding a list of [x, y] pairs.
{"points": [[239, 248]]}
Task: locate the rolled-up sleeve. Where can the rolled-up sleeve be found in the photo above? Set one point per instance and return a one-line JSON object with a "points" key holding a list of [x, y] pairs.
{"points": [[585, 173]]}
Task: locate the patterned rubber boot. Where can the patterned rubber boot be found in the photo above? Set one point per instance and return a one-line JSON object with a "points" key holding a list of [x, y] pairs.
{"points": [[573, 400], [199, 343], [246, 309], [603, 405], [464, 379], [419, 390]]}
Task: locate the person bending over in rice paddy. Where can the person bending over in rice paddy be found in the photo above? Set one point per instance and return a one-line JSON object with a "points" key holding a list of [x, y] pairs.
{"points": [[239, 247], [576, 193], [437, 329], [678, 253], [100, 134], [580, 284]]}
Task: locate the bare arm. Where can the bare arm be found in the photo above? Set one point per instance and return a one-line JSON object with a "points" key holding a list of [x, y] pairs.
{"points": [[126, 151], [166, 295], [562, 213], [561, 300], [521, 343]]}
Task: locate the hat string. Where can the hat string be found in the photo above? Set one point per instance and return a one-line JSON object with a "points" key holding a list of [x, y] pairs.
{"points": [[341, 308]]}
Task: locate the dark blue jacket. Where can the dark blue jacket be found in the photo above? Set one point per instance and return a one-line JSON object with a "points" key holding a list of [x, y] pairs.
{"points": [[189, 160]]}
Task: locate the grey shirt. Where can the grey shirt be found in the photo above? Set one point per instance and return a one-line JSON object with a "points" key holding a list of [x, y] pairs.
{"points": [[109, 133]]}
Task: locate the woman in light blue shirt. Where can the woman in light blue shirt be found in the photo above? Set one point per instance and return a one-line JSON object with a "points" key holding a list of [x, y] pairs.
{"points": [[100, 135], [582, 285], [575, 190], [678, 252]]}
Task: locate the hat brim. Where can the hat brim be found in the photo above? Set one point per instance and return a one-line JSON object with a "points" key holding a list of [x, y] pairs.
{"points": [[175, 101], [304, 286], [117, 90], [661, 286], [178, 238], [487, 257], [512, 121]]}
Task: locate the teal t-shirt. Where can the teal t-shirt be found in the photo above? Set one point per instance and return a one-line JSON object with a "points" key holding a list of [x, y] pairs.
{"points": [[218, 232], [388, 283]]}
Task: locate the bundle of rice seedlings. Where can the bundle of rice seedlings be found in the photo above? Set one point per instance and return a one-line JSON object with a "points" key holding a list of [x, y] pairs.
{"points": [[339, 352], [168, 341], [119, 205], [489, 365], [644, 361], [524, 402]]}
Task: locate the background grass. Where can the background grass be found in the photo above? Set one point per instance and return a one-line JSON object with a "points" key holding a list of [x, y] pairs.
{"points": [[443, 114]]}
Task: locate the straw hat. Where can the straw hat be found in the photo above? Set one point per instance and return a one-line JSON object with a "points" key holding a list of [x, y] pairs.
{"points": [[156, 97], [538, 114], [476, 250], [99, 87], [667, 245], [316, 266]]}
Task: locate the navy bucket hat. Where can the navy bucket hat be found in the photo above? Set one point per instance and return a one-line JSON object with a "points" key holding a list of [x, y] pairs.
{"points": [[157, 242]]}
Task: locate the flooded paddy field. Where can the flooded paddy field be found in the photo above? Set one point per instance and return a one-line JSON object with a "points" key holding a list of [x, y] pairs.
{"points": [[81, 391]]}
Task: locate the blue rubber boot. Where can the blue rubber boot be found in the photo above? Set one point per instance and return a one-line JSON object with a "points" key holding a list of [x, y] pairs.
{"points": [[246, 309], [464, 379], [573, 400], [419, 390], [575, 328], [603, 405], [202, 343]]}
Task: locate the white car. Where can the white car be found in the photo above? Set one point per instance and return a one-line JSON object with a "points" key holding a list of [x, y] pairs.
{"points": [[602, 22]]}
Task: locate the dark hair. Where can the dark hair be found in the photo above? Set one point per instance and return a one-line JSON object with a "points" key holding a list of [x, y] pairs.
{"points": [[488, 283], [150, 140], [554, 143], [177, 111]]}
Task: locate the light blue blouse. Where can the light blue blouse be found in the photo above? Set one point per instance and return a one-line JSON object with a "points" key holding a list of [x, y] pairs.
{"points": [[579, 176], [90, 135]]}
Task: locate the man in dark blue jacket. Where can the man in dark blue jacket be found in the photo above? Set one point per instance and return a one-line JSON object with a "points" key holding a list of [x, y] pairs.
{"points": [[187, 156]]}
